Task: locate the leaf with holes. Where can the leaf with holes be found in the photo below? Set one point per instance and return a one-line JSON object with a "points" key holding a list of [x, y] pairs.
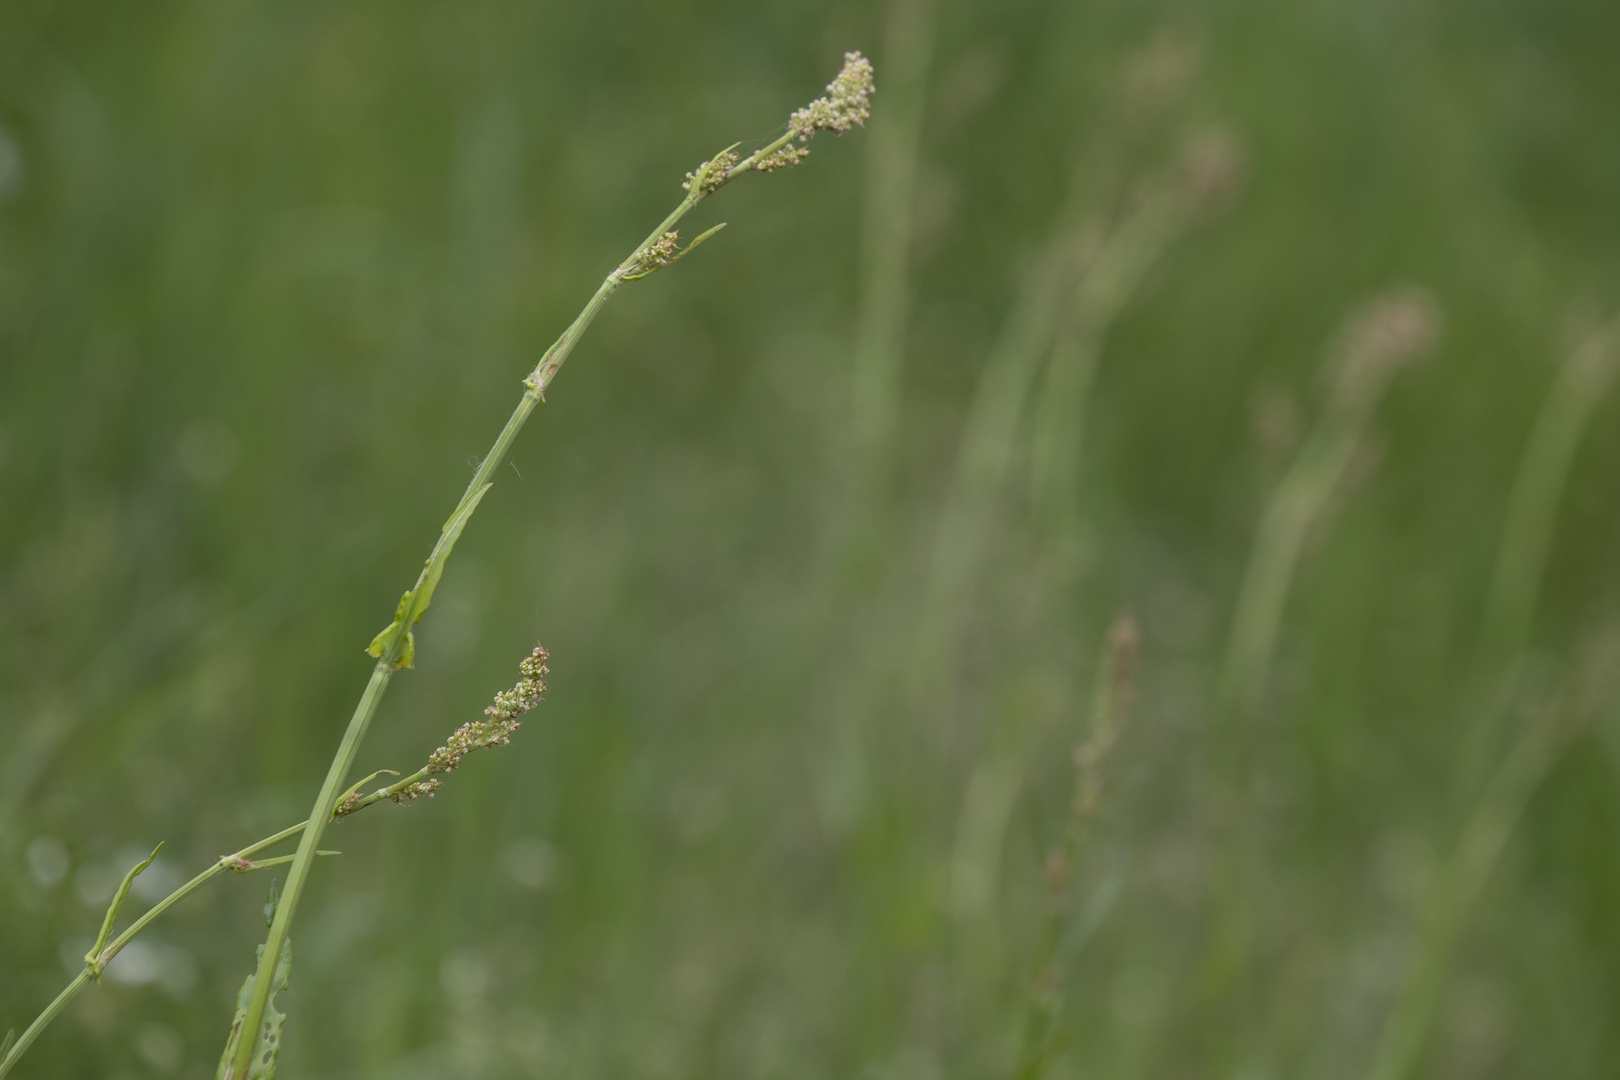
{"points": [[268, 1046]]}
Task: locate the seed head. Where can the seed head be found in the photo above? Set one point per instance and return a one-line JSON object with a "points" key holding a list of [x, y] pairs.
{"points": [[846, 105], [790, 154], [657, 255], [500, 719], [1116, 688], [414, 791], [712, 173]]}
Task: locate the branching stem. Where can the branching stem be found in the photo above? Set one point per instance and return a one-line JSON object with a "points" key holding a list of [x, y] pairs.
{"points": [[396, 642], [99, 958]]}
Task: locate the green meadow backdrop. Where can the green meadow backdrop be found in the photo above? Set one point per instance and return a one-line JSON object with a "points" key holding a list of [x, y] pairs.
{"points": [[1274, 335]]}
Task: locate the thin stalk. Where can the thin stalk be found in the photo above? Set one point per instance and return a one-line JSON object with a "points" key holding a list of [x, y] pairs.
{"points": [[1289, 514], [1521, 557], [1390, 331], [1582, 381], [1075, 289], [1068, 925], [1130, 251], [1387, 334], [975, 866], [1515, 582], [69, 992], [1295, 506], [394, 647], [305, 857], [1460, 884], [988, 442], [887, 220], [386, 792]]}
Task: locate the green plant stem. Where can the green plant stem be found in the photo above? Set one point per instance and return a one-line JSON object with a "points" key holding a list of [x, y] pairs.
{"points": [[1297, 505], [1284, 524], [69, 992], [1582, 381], [395, 643], [1129, 252], [1521, 557], [305, 857], [989, 439], [1457, 889], [385, 792], [1289, 514], [116, 945], [1065, 307], [1515, 582], [887, 221], [1069, 925]]}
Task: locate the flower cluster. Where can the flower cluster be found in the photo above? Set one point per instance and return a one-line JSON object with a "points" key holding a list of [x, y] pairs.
{"points": [[788, 155], [847, 104], [414, 790], [501, 719], [348, 804], [655, 256], [711, 174]]}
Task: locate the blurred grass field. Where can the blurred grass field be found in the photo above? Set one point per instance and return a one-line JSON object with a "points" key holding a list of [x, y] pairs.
{"points": [[823, 542]]}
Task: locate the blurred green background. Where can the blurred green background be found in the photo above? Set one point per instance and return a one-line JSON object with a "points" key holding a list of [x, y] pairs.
{"points": [[270, 274]]}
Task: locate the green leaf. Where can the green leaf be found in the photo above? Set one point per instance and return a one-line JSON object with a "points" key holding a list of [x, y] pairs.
{"points": [[262, 1066], [93, 957], [380, 643]]}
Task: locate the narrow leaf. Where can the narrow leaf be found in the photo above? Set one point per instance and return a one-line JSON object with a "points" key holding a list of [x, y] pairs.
{"points": [[441, 553], [93, 957], [677, 257], [279, 860], [700, 238], [358, 784]]}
